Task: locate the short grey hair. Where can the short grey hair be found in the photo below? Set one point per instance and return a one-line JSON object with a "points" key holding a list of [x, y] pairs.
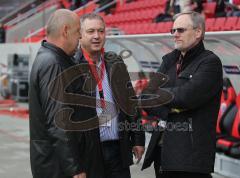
{"points": [[90, 16], [198, 20], [57, 20]]}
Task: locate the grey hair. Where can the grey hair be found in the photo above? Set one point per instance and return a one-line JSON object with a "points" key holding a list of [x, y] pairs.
{"points": [[57, 20], [197, 20], [90, 16]]}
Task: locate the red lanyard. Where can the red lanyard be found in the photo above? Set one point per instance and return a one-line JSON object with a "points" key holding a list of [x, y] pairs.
{"points": [[94, 72]]}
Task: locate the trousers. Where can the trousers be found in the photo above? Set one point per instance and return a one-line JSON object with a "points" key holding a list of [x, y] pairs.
{"points": [[113, 166]]}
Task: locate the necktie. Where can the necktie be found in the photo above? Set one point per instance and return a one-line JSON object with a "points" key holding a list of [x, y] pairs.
{"points": [[179, 65]]}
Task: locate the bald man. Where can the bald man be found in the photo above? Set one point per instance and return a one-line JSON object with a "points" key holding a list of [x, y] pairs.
{"points": [[53, 152]]}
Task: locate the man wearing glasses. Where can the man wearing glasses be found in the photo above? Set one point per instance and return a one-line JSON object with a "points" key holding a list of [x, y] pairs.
{"points": [[186, 147]]}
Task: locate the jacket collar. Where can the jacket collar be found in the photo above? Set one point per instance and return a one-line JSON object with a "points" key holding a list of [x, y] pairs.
{"points": [[193, 53], [189, 56], [57, 50], [80, 59]]}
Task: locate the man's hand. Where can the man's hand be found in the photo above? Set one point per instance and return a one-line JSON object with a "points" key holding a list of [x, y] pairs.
{"points": [[138, 152], [81, 175]]}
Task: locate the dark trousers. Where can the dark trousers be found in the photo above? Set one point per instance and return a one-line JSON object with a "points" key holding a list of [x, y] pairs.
{"points": [[178, 174], [113, 166], [174, 174]]}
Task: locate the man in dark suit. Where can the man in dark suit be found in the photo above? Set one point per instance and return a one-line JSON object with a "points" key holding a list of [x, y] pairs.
{"points": [[186, 147], [107, 148]]}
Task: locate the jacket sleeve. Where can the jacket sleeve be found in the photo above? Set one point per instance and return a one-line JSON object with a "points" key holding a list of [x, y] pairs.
{"points": [[153, 86], [204, 84], [65, 145], [137, 134], [138, 138]]}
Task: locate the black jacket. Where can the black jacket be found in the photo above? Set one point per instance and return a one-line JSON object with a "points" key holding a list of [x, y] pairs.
{"points": [[2, 35], [188, 143], [51, 149]]}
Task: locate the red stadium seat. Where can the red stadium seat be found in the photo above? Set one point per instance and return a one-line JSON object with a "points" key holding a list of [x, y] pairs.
{"points": [[161, 27], [230, 23], [66, 3], [163, 3], [139, 29], [153, 28], [232, 129], [237, 27], [210, 24], [130, 29], [219, 24], [168, 26], [225, 141], [228, 98], [209, 9], [164, 27], [235, 148]]}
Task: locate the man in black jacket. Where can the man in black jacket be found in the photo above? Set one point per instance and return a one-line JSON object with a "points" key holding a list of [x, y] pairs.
{"points": [[186, 147], [108, 147], [2, 33], [52, 151]]}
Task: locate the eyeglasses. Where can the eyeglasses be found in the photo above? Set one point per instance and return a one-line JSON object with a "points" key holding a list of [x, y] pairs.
{"points": [[179, 30]]}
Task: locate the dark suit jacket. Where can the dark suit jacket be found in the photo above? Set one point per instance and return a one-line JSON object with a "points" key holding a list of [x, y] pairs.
{"points": [[188, 143], [51, 148], [122, 91]]}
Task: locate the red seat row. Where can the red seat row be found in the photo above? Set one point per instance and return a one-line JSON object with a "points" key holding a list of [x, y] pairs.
{"points": [[137, 18], [228, 99], [140, 4], [212, 24], [228, 125], [222, 24], [143, 16], [145, 28]]}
